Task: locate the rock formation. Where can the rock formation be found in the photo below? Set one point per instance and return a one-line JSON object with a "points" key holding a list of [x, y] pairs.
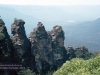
{"points": [[5, 43], [82, 48], [59, 50], [21, 44], [6, 50], [82, 52], [41, 47], [70, 52], [40, 52]]}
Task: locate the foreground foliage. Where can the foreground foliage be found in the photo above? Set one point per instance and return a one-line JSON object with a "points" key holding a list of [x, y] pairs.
{"points": [[79, 66]]}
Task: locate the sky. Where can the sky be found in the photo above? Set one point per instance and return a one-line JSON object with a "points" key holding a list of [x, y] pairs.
{"points": [[51, 2]]}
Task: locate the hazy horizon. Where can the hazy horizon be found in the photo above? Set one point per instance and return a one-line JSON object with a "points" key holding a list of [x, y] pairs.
{"points": [[51, 2], [79, 22], [49, 15]]}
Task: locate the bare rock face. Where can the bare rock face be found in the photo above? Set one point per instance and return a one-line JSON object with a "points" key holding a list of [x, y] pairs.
{"points": [[70, 52], [21, 43], [59, 50], [41, 47]]}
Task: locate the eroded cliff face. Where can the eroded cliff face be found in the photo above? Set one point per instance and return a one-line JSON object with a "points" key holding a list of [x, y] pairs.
{"points": [[21, 44], [58, 48], [41, 47]]}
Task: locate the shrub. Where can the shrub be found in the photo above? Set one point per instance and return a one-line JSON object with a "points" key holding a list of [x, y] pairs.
{"points": [[79, 66]]}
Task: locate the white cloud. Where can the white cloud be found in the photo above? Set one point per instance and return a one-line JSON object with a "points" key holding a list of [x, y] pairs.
{"points": [[51, 2], [70, 21]]}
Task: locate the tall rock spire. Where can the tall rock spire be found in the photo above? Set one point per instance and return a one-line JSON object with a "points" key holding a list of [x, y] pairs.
{"points": [[59, 50], [21, 43], [41, 47]]}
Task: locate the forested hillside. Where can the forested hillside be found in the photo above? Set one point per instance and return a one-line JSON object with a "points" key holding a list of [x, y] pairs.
{"points": [[86, 33]]}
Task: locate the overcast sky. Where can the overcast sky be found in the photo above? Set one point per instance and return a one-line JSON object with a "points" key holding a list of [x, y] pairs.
{"points": [[51, 2]]}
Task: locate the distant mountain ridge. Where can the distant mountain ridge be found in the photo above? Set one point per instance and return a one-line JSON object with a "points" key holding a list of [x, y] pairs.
{"points": [[83, 31], [49, 15], [87, 33]]}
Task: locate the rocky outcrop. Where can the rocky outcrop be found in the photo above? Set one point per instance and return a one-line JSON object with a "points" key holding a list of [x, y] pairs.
{"points": [[70, 52], [59, 50], [21, 44], [82, 52], [41, 47], [81, 48]]}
